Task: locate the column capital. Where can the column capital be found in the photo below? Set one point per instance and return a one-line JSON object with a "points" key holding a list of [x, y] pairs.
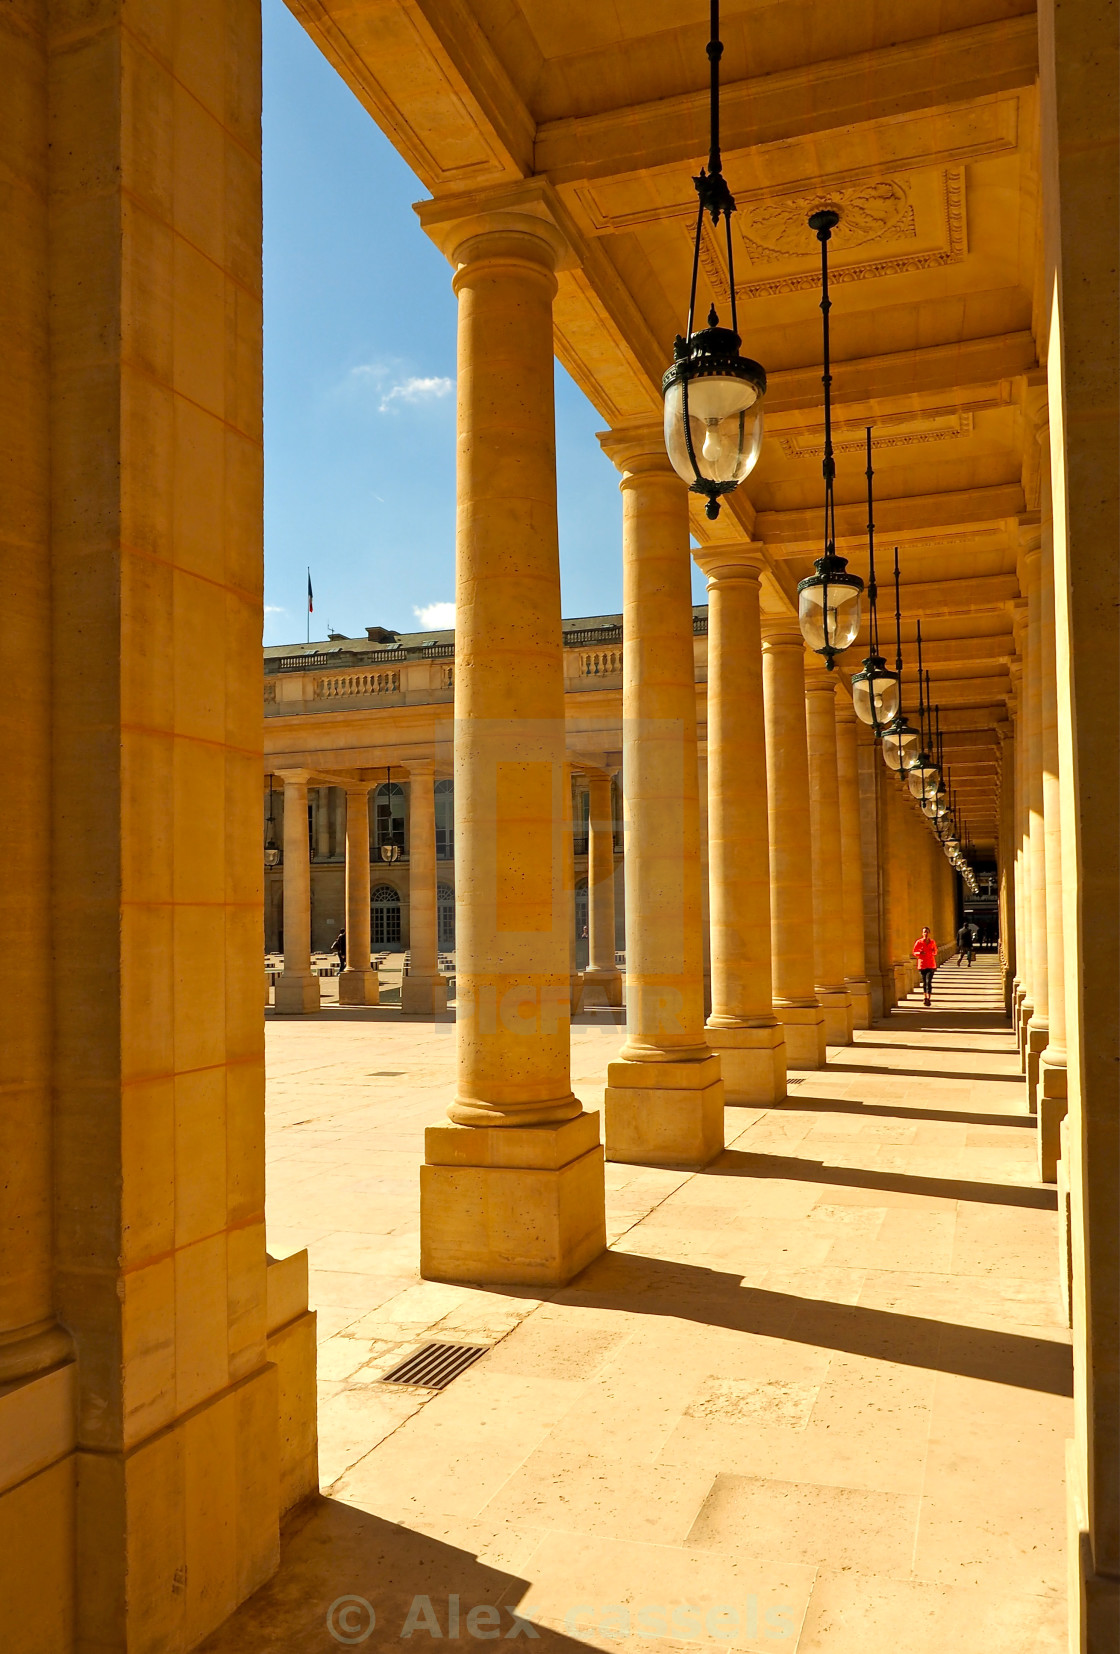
{"points": [[519, 221], [734, 560], [297, 778], [418, 767], [781, 632], [638, 450]]}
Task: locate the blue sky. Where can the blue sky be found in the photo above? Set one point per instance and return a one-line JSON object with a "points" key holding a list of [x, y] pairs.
{"points": [[359, 379]]}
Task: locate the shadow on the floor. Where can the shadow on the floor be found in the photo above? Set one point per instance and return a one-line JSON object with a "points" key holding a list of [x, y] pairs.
{"points": [[934, 1050], [341, 1561], [935, 1077], [737, 1163], [655, 1286], [359, 1013], [885, 1111]]}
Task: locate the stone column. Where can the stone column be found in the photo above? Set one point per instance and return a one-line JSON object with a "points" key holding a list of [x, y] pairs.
{"points": [[791, 847], [601, 972], [829, 953], [664, 1099], [323, 824], [1023, 1002], [1079, 102], [1038, 1026], [742, 1026], [512, 1188], [357, 984], [856, 980], [297, 990], [1007, 938], [423, 990], [1053, 1090]]}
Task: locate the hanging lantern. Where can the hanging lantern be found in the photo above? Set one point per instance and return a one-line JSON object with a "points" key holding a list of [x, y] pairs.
{"points": [[876, 694], [828, 601], [713, 396], [389, 851], [271, 848], [900, 746]]}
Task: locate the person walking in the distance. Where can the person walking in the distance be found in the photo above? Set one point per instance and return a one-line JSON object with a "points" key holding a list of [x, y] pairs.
{"points": [[925, 952], [966, 942]]}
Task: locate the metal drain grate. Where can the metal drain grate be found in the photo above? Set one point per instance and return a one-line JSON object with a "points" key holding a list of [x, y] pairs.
{"points": [[433, 1366], [796, 1082]]}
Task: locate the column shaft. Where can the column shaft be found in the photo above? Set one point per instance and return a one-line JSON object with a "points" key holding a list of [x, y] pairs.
{"points": [[742, 1025], [357, 984], [512, 1190], [1038, 1025], [856, 980], [602, 972], [827, 859], [297, 990], [423, 990], [664, 1100], [791, 868], [1052, 1094]]}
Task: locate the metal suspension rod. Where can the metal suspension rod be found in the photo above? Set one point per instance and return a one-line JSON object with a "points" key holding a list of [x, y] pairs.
{"points": [[715, 52], [921, 702], [872, 588], [829, 465], [897, 623]]}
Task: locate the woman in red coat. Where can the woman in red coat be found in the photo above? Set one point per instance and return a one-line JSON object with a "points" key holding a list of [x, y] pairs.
{"points": [[925, 952]]}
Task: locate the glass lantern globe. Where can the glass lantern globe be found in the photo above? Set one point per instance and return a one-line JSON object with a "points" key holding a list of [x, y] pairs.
{"points": [[713, 412], [900, 746], [829, 607], [390, 852], [876, 694], [271, 853], [922, 778]]}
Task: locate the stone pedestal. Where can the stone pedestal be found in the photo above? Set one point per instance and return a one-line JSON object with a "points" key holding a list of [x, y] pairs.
{"points": [[664, 1097], [297, 990], [513, 1192], [511, 1204], [791, 890]]}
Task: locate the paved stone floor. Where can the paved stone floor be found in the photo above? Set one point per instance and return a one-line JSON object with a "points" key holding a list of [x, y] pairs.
{"points": [[814, 1397]]}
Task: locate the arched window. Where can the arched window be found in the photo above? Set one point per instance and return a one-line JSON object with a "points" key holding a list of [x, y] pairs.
{"points": [[388, 819], [385, 916], [445, 820], [445, 909]]}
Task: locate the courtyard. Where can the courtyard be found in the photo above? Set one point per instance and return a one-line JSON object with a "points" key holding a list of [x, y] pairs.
{"points": [[815, 1396]]}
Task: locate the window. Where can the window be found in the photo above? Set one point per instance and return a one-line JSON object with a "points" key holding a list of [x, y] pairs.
{"points": [[445, 910], [445, 822], [388, 820], [385, 916]]}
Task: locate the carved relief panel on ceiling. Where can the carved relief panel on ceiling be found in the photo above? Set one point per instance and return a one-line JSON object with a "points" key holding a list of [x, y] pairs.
{"points": [[888, 226]]}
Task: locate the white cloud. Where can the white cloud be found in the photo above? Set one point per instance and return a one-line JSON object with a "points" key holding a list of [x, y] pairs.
{"points": [[274, 609], [436, 617], [417, 390]]}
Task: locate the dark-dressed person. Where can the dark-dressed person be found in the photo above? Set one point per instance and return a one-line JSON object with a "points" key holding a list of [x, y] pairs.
{"points": [[339, 946], [925, 952], [966, 944]]}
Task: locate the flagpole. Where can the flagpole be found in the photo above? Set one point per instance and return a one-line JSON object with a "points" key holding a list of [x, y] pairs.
{"points": [[309, 605]]}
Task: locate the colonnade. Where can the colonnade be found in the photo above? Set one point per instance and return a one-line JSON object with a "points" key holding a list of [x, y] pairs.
{"points": [[423, 989], [1031, 828]]}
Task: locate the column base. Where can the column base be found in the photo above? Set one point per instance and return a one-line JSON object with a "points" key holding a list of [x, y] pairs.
{"points": [[514, 1205], [575, 992], [664, 1113], [803, 1026], [423, 996], [753, 1063], [1053, 1103], [609, 981], [859, 993], [1038, 1036], [1094, 1598], [296, 995], [837, 1008], [358, 987]]}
